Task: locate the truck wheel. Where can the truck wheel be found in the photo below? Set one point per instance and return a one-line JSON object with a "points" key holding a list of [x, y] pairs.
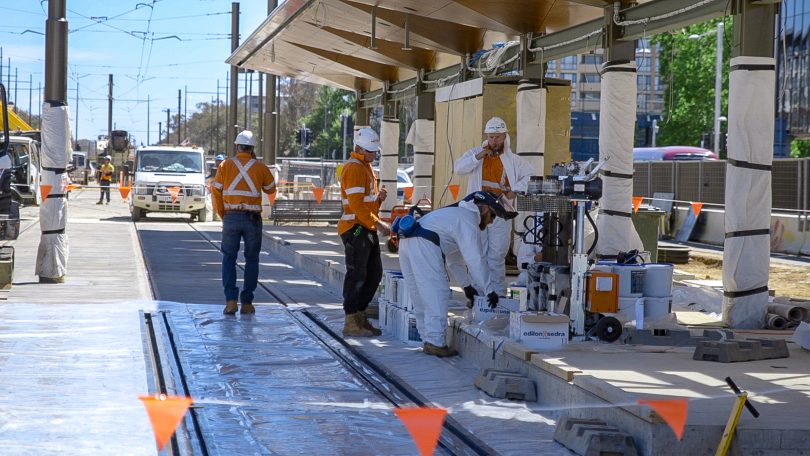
{"points": [[137, 214], [202, 215]]}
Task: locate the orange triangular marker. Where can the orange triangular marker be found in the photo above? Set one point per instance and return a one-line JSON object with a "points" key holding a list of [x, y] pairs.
{"points": [[696, 207], [272, 197], [124, 191], [424, 424], [45, 190], [454, 190], [165, 413], [408, 191], [71, 187], [174, 191], [673, 411], [637, 202], [318, 192]]}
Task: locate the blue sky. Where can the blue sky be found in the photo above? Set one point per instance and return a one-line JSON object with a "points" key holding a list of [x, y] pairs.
{"points": [[135, 41]]}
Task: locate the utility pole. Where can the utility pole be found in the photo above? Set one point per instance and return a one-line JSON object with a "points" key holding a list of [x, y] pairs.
{"points": [[75, 127], [148, 122], [109, 111], [31, 95], [51, 264], [160, 131], [168, 125], [179, 111], [216, 130], [260, 115], [271, 109], [17, 84], [185, 112], [231, 127], [247, 98]]}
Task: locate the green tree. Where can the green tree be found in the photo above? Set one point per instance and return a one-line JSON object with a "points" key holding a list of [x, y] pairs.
{"points": [[325, 122], [687, 68], [800, 148]]}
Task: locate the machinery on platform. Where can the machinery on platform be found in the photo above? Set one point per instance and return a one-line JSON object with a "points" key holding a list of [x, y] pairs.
{"points": [[555, 209]]}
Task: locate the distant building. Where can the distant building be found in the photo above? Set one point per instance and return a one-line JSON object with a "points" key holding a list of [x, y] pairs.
{"points": [[583, 72], [793, 74]]}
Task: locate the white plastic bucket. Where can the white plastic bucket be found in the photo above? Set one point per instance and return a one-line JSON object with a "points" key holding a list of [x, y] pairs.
{"points": [[631, 280], [656, 307], [658, 280]]}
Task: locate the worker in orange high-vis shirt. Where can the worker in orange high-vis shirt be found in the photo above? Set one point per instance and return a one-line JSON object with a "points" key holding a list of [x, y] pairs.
{"points": [[237, 194], [358, 227]]}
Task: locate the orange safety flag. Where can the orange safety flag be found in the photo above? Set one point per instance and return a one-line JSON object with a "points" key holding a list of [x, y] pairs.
{"points": [[71, 187], [174, 191], [408, 191], [454, 190], [165, 413], [424, 424], [44, 191], [124, 191], [673, 411], [696, 207], [272, 198], [637, 202], [318, 192]]}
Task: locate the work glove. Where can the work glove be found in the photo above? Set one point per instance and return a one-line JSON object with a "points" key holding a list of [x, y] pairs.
{"points": [[470, 293], [492, 298]]}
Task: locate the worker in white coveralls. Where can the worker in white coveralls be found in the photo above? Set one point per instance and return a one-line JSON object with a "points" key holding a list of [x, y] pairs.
{"points": [[494, 168], [453, 233]]}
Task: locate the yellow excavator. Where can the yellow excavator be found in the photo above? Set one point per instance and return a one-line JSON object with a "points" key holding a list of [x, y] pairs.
{"points": [[15, 122]]}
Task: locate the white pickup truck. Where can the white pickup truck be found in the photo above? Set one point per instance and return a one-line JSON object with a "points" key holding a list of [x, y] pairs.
{"points": [[170, 179]]}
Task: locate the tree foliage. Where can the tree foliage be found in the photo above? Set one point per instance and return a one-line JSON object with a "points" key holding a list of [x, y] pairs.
{"points": [[325, 122], [800, 148], [687, 68]]}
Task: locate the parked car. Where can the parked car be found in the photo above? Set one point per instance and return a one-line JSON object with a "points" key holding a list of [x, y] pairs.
{"points": [[403, 182], [672, 153]]}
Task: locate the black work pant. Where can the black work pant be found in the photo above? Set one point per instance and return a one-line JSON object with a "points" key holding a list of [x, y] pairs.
{"points": [[105, 190], [363, 268]]}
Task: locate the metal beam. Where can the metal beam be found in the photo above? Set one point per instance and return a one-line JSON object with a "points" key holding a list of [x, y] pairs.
{"points": [[457, 38], [753, 29], [571, 41], [368, 100], [369, 68], [658, 16], [415, 59]]}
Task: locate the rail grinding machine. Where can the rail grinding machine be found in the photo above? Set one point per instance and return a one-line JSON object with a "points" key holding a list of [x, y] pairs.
{"points": [[557, 209]]}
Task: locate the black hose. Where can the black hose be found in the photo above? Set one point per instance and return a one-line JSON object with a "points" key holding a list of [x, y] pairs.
{"points": [[595, 232]]}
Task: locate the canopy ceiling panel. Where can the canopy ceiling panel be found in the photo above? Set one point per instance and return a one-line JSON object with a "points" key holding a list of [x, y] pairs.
{"points": [[329, 41]]}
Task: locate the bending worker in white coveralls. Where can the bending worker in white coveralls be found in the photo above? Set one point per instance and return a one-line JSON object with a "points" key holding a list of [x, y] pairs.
{"points": [[452, 233], [494, 168]]}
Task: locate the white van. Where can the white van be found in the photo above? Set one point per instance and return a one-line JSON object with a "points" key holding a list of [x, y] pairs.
{"points": [[159, 170], [24, 154]]}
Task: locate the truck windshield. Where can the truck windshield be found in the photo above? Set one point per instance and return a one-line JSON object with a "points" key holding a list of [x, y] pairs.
{"points": [[170, 162]]}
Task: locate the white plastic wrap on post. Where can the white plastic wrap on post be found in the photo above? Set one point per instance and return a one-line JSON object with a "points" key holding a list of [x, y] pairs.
{"points": [[616, 134], [389, 159], [747, 252], [52, 255], [531, 139], [422, 137]]}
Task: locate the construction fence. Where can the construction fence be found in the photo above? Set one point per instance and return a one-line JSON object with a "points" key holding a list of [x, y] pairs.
{"points": [[705, 181]]}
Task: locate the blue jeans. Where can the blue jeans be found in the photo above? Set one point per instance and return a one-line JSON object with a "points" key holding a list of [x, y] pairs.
{"points": [[236, 227]]}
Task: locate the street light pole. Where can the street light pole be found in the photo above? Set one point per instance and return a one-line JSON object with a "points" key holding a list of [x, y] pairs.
{"points": [[718, 87]]}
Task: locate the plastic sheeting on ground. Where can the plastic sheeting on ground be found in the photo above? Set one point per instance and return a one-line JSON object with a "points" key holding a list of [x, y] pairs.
{"points": [[616, 133], [422, 136], [389, 159], [746, 250]]}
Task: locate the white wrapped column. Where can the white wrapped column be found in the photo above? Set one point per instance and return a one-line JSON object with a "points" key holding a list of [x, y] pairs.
{"points": [[389, 160], [422, 137], [617, 121], [52, 255], [531, 139], [746, 250]]}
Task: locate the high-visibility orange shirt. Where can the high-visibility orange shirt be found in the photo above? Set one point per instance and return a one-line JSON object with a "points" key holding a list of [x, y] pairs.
{"points": [[239, 184], [493, 176], [358, 189]]}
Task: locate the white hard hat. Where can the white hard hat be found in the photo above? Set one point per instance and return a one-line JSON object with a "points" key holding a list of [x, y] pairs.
{"points": [[367, 139], [495, 125], [245, 138], [107, 157]]}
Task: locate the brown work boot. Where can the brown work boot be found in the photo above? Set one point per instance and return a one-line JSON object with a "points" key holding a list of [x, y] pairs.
{"points": [[363, 319], [441, 352], [353, 328], [247, 308], [230, 307]]}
